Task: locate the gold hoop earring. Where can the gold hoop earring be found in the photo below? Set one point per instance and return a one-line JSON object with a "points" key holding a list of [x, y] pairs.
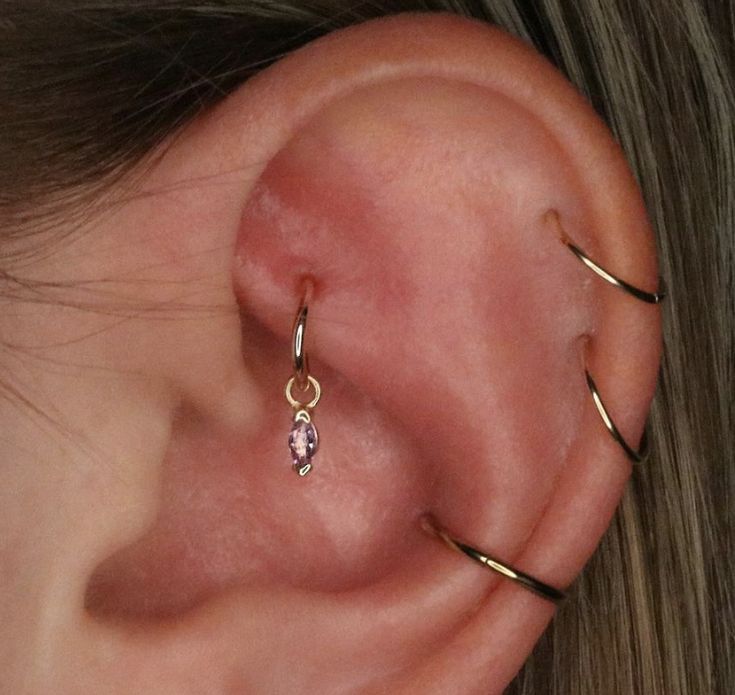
{"points": [[542, 589], [545, 591], [303, 439]]}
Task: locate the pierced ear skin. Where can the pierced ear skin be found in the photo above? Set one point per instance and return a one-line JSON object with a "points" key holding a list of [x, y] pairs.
{"points": [[478, 250]]}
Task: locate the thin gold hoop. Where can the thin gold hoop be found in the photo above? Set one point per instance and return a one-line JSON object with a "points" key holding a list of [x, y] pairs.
{"points": [[299, 355], [644, 296], [648, 297], [298, 405], [635, 456], [545, 591]]}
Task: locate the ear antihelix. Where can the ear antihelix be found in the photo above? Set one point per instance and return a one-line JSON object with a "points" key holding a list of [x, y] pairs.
{"points": [[303, 440]]}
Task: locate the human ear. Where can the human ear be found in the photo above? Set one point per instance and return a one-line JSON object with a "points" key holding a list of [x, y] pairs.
{"points": [[409, 167]]}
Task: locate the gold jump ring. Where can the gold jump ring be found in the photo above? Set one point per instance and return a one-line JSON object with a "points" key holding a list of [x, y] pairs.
{"points": [[298, 405]]}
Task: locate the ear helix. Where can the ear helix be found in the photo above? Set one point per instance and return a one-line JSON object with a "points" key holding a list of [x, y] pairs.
{"points": [[639, 455], [303, 439]]}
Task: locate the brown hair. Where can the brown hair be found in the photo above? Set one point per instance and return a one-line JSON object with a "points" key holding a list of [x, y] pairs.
{"points": [[88, 88]]}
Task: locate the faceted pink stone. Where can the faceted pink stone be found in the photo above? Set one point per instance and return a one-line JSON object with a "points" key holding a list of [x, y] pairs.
{"points": [[303, 441]]}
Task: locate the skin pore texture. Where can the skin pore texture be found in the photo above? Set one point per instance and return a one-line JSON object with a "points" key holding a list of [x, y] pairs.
{"points": [[159, 541]]}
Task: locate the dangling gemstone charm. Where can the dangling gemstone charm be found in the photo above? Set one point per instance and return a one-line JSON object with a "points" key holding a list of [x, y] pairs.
{"points": [[303, 441]]}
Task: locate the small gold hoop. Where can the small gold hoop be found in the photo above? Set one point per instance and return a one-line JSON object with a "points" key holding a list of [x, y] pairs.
{"points": [[298, 405], [635, 456], [545, 591], [298, 347], [649, 297]]}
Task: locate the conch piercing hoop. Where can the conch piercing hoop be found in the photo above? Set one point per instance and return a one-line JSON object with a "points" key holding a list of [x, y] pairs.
{"points": [[303, 440], [545, 591]]}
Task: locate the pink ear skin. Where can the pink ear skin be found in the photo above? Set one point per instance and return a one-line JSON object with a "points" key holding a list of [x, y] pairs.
{"points": [[407, 165]]}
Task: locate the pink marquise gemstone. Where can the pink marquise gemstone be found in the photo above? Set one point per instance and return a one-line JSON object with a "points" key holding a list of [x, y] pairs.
{"points": [[303, 442]]}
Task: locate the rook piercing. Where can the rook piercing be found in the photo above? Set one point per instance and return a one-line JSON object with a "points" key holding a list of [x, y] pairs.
{"points": [[300, 358], [303, 440]]}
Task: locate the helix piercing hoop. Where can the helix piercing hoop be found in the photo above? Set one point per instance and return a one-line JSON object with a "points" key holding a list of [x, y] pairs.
{"points": [[635, 456], [648, 297], [528, 582], [303, 439]]}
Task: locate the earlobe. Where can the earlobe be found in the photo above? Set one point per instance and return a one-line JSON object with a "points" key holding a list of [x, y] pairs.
{"points": [[409, 166]]}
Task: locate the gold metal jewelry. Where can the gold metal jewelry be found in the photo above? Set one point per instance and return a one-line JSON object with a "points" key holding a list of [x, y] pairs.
{"points": [[524, 580], [298, 348], [635, 456], [298, 405], [528, 582], [648, 297], [303, 439]]}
